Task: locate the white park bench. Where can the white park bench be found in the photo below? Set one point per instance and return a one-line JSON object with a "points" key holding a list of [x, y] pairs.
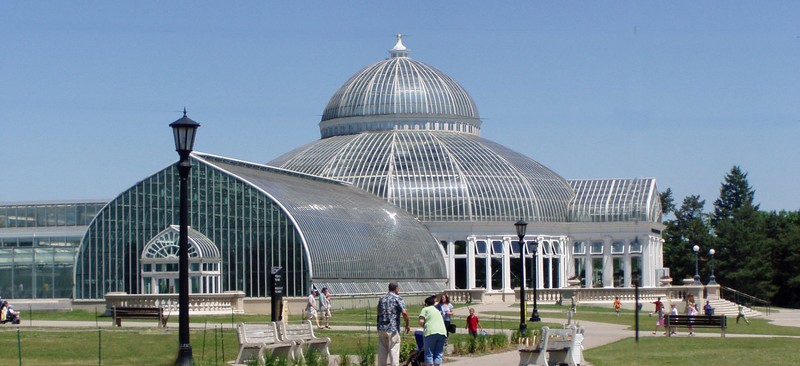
{"points": [[303, 335], [255, 339], [557, 347]]}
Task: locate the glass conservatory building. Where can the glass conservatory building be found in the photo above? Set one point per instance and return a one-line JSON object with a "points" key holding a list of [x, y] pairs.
{"points": [[246, 218], [400, 186], [408, 133]]}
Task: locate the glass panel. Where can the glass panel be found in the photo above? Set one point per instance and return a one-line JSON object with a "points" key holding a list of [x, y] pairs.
{"points": [[481, 247], [557, 247], [579, 247], [497, 273], [617, 247], [497, 247], [480, 272], [580, 269], [597, 247], [546, 248], [619, 272], [597, 272], [515, 247], [636, 246], [460, 247], [636, 269]]}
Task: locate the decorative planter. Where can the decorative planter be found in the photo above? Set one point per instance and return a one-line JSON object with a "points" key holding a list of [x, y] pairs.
{"points": [[665, 281], [574, 282]]}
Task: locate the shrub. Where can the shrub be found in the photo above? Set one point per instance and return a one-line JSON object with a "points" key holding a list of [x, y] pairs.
{"points": [[366, 356]]}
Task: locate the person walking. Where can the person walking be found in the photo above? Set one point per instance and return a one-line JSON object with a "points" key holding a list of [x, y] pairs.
{"points": [[434, 331], [708, 310], [673, 311], [447, 312], [692, 311], [311, 308], [473, 323], [325, 306], [390, 308], [741, 315], [617, 305], [660, 312]]}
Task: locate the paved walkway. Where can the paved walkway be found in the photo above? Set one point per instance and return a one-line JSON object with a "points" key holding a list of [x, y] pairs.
{"points": [[597, 334]]}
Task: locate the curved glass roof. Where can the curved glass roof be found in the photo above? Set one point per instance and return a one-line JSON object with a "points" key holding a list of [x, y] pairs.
{"points": [[439, 176], [405, 93], [604, 200], [166, 245], [349, 234]]}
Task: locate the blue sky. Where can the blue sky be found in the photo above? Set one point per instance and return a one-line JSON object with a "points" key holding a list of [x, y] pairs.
{"points": [[676, 90]]}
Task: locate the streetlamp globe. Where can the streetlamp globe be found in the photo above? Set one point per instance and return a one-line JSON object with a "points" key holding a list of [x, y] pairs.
{"points": [[184, 131], [521, 226], [696, 250], [712, 280]]}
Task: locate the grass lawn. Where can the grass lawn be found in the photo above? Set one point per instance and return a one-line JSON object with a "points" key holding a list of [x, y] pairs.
{"points": [[158, 346], [662, 351]]}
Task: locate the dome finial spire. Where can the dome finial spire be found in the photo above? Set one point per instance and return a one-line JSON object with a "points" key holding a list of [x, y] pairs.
{"points": [[399, 50]]}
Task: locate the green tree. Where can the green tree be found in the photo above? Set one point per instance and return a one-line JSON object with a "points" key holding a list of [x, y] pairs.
{"points": [[783, 234], [689, 228], [667, 202], [734, 193]]}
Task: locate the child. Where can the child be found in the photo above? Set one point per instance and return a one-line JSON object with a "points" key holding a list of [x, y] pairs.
{"points": [[473, 323], [617, 305]]}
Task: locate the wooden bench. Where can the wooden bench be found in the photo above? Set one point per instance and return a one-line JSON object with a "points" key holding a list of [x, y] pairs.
{"points": [[697, 321], [303, 334], [120, 312], [557, 347], [257, 338]]}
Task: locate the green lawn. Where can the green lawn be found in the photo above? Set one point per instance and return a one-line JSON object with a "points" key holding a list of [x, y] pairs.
{"points": [[663, 351], [158, 346]]}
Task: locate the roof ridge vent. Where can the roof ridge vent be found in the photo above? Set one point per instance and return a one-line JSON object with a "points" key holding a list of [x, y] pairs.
{"points": [[399, 50]]}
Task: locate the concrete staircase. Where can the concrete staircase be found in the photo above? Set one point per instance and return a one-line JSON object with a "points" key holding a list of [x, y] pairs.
{"points": [[731, 309]]}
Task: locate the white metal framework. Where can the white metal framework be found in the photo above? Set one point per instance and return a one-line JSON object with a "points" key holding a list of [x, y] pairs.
{"points": [[159, 261]]}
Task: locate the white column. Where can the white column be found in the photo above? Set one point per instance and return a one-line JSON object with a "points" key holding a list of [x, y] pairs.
{"points": [[451, 265], [471, 263], [506, 265]]}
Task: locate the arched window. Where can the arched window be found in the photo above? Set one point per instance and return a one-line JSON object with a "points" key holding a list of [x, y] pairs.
{"points": [[160, 263]]}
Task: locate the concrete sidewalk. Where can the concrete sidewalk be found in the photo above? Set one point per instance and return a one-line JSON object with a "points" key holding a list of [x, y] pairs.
{"points": [[598, 334]]}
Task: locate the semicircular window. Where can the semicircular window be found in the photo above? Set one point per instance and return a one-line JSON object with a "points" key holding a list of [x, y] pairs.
{"points": [[160, 263]]}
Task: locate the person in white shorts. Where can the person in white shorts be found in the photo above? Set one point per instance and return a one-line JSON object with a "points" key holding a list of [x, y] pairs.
{"points": [[325, 306], [311, 308]]}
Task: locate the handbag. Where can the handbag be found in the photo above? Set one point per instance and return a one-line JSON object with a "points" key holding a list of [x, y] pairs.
{"points": [[451, 328]]}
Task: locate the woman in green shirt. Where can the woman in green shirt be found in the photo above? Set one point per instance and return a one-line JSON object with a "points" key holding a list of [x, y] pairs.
{"points": [[434, 331]]}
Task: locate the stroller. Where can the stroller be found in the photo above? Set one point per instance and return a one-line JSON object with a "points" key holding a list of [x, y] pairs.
{"points": [[417, 356]]}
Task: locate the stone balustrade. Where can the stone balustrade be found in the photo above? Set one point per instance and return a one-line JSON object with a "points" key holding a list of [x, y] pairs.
{"points": [[222, 303]]}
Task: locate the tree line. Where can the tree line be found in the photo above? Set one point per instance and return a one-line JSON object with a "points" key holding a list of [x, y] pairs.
{"points": [[756, 252]]}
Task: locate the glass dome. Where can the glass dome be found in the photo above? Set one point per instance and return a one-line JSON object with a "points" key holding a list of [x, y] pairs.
{"points": [[408, 133], [405, 94]]}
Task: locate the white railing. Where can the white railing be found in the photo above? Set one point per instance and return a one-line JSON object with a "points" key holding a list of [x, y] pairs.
{"points": [[673, 293], [223, 303]]}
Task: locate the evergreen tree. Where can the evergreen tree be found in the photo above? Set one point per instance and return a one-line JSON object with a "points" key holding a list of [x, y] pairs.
{"points": [[734, 193], [689, 228], [783, 233], [667, 202]]}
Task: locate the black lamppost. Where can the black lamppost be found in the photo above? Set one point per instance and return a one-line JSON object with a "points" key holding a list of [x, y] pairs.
{"points": [[712, 280], [521, 226], [184, 130], [535, 315], [696, 250]]}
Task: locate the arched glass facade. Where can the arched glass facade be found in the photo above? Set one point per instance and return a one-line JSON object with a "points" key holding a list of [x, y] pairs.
{"points": [[318, 230], [252, 233]]}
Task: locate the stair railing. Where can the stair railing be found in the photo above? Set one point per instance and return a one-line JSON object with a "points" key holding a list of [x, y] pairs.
{"points": [[739, 297]]}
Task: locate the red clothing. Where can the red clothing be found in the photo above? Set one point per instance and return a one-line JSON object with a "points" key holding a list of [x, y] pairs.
{"points": [[472, 323]]}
